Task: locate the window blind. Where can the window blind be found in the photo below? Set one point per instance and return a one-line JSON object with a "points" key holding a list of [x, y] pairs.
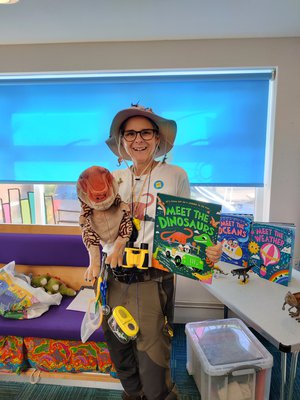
{"points": [[53, 127]]}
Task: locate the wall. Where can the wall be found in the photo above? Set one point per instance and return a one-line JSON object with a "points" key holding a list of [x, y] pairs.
{"points": [[283, 53]]}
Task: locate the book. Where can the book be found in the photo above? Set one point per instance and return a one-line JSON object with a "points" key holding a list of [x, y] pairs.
{"points": [[234, 233], [271, 249], [293, 226], [183, 229]]}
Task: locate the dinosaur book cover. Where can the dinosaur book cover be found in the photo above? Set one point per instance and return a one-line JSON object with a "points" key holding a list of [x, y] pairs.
{"points": [[234, 233], [271, 249], [183, 230]]}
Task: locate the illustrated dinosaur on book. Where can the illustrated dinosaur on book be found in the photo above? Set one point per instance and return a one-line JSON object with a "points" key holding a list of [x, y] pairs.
{"points": [[180, 237]]}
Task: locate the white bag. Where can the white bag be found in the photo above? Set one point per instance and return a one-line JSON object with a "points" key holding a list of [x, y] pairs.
{"points": [[18, 299]]}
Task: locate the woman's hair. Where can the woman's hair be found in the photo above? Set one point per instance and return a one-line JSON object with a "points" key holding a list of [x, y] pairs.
{"points": [[122, 127]]}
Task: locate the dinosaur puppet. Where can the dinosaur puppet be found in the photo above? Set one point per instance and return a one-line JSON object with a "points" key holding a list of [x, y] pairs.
{"points": [[104, 219]]}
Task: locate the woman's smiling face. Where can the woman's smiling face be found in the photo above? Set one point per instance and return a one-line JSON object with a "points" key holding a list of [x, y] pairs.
{"points": [[140, 150]]}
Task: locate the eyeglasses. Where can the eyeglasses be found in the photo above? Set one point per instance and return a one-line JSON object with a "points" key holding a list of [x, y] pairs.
{"points": [[146, 134]]}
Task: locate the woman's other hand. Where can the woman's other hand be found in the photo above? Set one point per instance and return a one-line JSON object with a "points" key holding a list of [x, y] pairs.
{"points": [[214, 252]]}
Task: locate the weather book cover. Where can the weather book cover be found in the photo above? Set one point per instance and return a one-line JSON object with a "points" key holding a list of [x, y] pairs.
{"points": [[182, 231], [271, 249], [234, 233]]}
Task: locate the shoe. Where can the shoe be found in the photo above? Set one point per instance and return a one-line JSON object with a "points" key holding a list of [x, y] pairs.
{"points": [[126, 396]]}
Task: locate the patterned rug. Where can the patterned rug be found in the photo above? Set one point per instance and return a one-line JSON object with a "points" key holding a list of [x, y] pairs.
{"points": [[185, 383]]}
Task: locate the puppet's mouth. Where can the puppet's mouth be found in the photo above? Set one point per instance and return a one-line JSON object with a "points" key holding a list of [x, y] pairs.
{"points": [[100, 198], [104, 204], [96, 197]]}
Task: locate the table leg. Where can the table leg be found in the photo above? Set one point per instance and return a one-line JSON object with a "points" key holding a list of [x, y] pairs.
{"points": [[293, 370], [283, 374], [225, 312]]}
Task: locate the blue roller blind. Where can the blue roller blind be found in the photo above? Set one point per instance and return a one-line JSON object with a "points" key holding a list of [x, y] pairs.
{"points": [[53, 127]]}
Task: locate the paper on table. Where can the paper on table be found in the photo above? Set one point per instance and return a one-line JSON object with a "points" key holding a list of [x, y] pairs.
{"points": [[81, 301]]}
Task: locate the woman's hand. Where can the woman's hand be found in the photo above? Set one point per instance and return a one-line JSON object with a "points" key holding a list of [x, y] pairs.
{"points": [[214, 252]]}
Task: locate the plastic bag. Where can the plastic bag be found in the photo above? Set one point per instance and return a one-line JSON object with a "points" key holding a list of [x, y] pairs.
{"points": [[92, 319], [18, 299]]}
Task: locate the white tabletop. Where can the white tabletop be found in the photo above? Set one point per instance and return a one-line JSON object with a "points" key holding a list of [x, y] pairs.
{"points": [[259, 303]]}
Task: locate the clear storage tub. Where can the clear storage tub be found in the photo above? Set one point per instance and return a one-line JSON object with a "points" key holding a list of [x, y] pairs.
{"points": [[227, 361]]}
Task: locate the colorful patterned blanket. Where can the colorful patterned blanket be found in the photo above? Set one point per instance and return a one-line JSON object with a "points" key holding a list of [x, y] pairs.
{"points": [[18, 354]]}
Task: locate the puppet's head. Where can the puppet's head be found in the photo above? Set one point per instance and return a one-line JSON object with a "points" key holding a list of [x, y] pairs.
{"points": [[97, 188]]}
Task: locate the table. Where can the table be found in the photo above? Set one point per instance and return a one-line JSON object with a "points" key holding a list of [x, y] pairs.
{"points": [[259, 304]]}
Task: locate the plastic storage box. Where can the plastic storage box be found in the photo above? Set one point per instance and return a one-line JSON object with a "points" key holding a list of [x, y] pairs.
{"points": [[227, 361]]}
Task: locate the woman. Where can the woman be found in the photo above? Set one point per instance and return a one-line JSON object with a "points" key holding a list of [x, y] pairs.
{"points": [[143, 365]]}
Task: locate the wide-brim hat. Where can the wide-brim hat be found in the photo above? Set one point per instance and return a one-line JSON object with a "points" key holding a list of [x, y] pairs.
{"points": [[167, 130]]}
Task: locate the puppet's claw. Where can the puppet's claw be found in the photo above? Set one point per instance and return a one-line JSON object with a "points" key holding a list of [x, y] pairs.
{"points": [[91, 273], [115, 258]]}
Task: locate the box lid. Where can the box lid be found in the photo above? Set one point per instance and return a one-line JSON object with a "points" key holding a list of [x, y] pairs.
{"points": [[226, 345]]}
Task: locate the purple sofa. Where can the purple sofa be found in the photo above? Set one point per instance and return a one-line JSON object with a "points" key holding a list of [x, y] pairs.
{"points": [[48, 250], [57, 331]]}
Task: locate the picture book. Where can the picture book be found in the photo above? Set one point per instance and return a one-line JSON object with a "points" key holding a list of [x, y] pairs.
{"points": [[234, 233], [271, 248], [183, 229], [292, 226]]}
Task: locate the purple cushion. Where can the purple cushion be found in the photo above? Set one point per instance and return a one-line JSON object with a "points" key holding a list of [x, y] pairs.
{"points": [[56, 323], [34, 249]]}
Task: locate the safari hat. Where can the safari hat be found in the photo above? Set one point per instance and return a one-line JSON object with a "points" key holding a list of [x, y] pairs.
{"points": [[167, 130]]}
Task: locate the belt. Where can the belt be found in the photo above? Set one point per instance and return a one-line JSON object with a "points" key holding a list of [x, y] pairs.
{"points": [[134, 275]]}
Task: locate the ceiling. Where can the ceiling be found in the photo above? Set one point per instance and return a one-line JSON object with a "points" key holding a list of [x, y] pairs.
{"points": [[58, 21]]}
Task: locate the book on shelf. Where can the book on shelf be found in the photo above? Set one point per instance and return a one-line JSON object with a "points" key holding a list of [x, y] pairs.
{"points": [[183, 229], [234, 232], [271, 249]]}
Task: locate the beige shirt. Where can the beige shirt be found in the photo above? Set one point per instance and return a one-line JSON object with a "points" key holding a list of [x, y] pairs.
{"points": [[141, 195]]}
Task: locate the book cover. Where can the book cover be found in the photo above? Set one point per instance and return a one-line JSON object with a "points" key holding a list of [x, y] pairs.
{"points": [[234, 233], [183, 229], [293, 227], [271, 248]]}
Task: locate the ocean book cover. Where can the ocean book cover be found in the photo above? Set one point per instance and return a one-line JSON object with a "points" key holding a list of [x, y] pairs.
{"points": [[234, 233], [183, 229]]}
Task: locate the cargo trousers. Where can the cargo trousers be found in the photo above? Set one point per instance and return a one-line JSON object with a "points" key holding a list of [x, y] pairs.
{"points": [[143, 364]]}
